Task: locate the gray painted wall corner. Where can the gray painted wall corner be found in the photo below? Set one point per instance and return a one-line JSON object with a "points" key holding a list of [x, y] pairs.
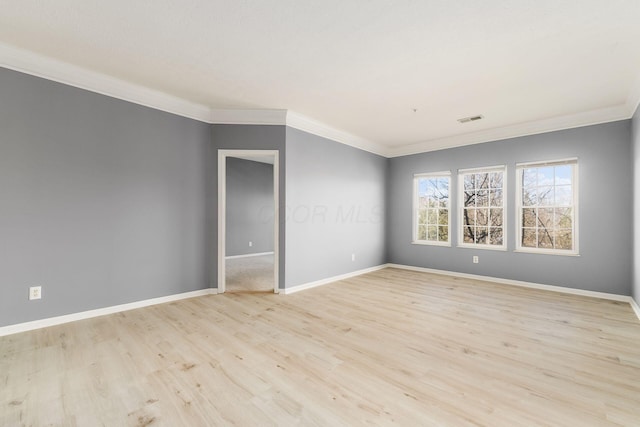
{"points": [[635, 146]]}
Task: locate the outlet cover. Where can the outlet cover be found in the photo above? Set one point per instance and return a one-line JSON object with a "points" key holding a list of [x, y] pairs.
{"points": [[475, 259], [35, 292]]}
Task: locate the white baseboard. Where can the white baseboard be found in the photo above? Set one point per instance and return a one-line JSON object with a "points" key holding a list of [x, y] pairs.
{"points": [[52, 321], [552, 288], [248, 255], [298, 288], [635, 307]]}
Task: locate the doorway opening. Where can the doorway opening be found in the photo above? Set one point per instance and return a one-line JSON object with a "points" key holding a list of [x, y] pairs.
{"points": [[248, 218]]}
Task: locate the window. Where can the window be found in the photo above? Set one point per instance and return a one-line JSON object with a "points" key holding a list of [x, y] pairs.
{"points": [[431, 208], [482, 218], [547, 203]]}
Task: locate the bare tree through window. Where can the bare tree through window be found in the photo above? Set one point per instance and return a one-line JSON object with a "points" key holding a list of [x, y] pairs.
{"points": [[546, 211], [482, 207]]}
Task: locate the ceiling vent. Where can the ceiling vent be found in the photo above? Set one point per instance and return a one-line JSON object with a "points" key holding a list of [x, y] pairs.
{"points": [[471, 119]]}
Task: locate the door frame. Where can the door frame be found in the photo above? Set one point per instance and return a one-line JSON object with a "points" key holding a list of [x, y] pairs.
{"points": [[222, 212]]}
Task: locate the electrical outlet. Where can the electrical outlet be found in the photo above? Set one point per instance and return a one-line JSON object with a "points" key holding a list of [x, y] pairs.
{"points": [[35, 292], [475, 259], [250, 244], [353, 257]]}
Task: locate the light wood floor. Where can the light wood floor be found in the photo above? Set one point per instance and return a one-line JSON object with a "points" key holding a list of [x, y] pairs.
{"points": [[392, 347], [250, 274]]}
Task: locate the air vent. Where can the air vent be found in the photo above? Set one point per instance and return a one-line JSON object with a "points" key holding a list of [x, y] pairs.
{"points": [[471, 119]]}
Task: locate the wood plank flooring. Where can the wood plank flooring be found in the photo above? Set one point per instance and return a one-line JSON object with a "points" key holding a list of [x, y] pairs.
{"points": [[392, 347]]}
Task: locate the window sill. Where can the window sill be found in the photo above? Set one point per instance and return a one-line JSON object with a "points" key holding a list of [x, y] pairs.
{"points": [[483, 247], [425, 243], [547, 252]]}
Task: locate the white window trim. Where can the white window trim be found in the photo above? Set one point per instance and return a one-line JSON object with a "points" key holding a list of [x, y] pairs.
{"points": [[414, 221], [461, 243], [574, 230]]}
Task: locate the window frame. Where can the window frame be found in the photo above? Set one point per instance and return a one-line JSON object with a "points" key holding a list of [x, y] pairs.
{"points": [[460, 230], [414, 221], [575, 204]]}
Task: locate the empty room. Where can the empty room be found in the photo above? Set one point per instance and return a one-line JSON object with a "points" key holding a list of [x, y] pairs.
{"points": [[336, 213]]}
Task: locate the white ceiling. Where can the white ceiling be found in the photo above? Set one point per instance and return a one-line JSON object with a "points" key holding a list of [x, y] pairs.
{"points": [[393, 76]]}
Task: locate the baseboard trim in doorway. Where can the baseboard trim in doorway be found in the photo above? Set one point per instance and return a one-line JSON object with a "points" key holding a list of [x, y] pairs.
{"points": [[58, 320], [305, 286], [635, 307], [248, 255], [552, 288]]}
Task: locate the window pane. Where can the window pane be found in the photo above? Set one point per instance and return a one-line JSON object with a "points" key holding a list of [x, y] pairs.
{"points": [[481, 235], [469, 234], [443, 217], [545, 218], [545, 176], [469, 217], [482, 217], [422, 216], [495, 237], [432, 232], [482, 198], [545, 239], [495, 198], [443, 234], [529, 217], [529, 239], [469, 181], [529, 177], [529, 197], [563, 174], [482, 180], [563, 218], [564, 239], [564, 196], [469, 198], [545, 196], [495, 218], [432, 216], [422, 232], [495, 179]]}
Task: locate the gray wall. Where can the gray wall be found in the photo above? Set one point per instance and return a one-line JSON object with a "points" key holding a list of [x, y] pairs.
{"points": [[605, 209], [335, 207], [102, 202], [249, 207], [635, 143], [250, 137]]}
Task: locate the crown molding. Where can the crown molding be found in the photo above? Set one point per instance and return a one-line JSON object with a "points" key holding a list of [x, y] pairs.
{"points": [[594, 117], [315, 127], [52, 69], [48, 68], [248, 117]]}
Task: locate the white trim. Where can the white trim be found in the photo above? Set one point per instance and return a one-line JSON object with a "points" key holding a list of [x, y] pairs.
{"points": [[460, 211], [62, 72], [587, 118], [305, 286], [249, 117], [498, 168], [635, 307], [414, 218], [35, 64], [52, 321], [429, 174], [553, 288], [573, 161], [222, 212], [317, 128], [248, 255], [545, 163]]}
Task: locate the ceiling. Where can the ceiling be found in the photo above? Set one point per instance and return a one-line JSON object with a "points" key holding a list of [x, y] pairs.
{"points": [[389, 76]]}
